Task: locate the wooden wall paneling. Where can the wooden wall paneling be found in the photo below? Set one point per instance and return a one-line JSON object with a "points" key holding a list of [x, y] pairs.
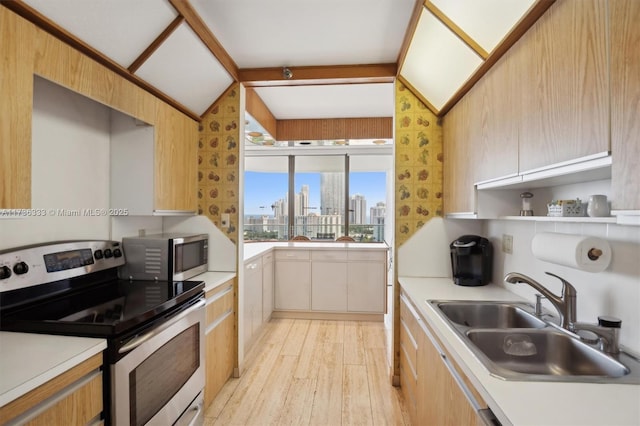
{"points": [[625, 103], [16, 106], [566, 92], [335, 128], [498, 110]]}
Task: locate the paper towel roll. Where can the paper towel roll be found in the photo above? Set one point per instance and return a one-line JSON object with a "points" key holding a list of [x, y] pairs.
{"points": [[575, 251]]}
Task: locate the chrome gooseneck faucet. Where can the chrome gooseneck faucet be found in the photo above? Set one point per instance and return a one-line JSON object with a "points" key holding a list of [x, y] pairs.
{"points": [[565, 303]]}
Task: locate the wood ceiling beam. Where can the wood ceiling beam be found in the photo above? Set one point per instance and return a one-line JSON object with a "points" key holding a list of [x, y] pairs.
{"points": [[255, 106], [527, 21], [408, 35], [202, 30], [319, 75], [156, 44], [459, 32], [60, 33]]}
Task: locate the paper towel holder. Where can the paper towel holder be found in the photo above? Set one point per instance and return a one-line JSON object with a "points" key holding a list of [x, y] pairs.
{"points": [[594, 253]]}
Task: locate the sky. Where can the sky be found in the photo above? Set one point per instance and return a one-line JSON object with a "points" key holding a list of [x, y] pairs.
{"points": [[263, 189]]}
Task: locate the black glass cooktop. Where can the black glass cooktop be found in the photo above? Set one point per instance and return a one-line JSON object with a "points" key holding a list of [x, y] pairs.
{"points": [[105, 310]]}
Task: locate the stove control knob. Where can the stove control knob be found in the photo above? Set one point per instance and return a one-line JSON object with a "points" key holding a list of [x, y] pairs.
{"points": [[5, 272], [107, 253], [98, 254], [20, 268], [117, 253]]}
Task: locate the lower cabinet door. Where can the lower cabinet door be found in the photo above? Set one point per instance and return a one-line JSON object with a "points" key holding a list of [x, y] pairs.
{"points": [[366, 287], [293, 286], [329, 286], [219, 357]]}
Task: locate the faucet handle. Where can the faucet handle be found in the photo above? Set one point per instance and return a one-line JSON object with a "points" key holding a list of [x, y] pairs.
{"points": [[566, 285], [610, 322]]}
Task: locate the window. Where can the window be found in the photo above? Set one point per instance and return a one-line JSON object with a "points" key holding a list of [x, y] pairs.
{"points": [[326, 197]]}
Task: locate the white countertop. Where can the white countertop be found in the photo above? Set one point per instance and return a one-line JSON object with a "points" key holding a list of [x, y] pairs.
{"points": [[213, 279], [252, 250], [28, 360], [523, 403]]}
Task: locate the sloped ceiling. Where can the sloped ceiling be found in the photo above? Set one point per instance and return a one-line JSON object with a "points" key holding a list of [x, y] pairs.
{"points": [[343, 55]]}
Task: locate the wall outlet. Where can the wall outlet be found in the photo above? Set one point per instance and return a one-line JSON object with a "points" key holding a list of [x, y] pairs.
{"points": [[507, 243], [224, 220]]}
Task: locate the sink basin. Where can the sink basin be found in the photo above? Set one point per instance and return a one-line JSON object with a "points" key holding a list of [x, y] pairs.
{"points": [[514, 344], [543, 352], [490, 314]]}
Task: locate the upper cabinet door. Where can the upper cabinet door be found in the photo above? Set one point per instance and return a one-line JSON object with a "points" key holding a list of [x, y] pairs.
{"points": [[459, 154], [497, 114], [565, 87], [176, 161], [625, 103]]}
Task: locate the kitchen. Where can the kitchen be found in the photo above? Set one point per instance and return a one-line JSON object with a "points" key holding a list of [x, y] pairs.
{"points": [[613, 292]]}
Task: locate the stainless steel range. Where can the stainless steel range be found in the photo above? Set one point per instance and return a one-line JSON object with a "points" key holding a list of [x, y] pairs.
{"points": [[154, 329]]}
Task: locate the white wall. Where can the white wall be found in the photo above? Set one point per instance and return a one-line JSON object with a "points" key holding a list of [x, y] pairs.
{"points": [[70, 169], [616, 291]]}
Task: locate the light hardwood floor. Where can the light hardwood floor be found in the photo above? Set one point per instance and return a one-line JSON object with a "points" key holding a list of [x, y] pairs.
{"points": [[310, 372]]}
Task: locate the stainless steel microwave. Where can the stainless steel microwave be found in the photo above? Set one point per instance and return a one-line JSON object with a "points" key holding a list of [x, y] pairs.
{"points": [[165, 257]]}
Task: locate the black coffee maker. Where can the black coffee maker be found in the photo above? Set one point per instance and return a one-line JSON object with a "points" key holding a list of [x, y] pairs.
{"points": [[471, 260]]}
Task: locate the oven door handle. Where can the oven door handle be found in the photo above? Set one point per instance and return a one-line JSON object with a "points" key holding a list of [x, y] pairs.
{"points": [[139, 340]]}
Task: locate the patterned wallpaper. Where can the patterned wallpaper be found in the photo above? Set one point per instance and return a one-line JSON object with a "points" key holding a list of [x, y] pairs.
{"points": [[218, 163], [418, 181]]}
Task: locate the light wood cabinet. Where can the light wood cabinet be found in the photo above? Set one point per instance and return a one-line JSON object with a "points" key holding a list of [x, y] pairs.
{"points": [[437, 391], [267, 286], [496, 112], [625, 103], [458, 166], [219, 339], [29, 51], [565, 85], [72, 398]]}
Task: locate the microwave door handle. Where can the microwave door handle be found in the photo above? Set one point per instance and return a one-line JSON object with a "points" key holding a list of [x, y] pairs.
{"points": [[139, 340], [459, 244]]}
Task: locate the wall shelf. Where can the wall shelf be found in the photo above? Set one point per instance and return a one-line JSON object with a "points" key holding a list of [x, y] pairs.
{"points": [[579, 219]]}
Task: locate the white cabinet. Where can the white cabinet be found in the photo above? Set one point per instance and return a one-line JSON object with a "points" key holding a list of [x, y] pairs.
{"points": [[346, 281], [292, 280], [329, 281], [366, 287], [267, 286], [252, 312]]}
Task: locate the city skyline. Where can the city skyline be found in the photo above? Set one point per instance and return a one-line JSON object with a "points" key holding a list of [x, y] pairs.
{"points": [[264, 190]]}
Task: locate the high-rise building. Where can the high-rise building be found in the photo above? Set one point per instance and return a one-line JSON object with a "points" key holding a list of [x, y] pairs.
{"points": [[331, 193], [302, 201], [376, 218], [357, 209]]}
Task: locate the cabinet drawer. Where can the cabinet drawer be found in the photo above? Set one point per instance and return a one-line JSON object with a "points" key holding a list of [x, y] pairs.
{"points": [[292, 254], [331, 255], [408, 345], [408, 385], [219, 304], [377, 255], [408, 317]]}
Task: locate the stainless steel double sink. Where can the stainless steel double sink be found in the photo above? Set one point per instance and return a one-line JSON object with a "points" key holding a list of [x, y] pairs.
{"points": [[515, 344]]}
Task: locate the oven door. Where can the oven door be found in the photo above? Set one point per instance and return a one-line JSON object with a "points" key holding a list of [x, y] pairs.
{"points": [[162, 373]]}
